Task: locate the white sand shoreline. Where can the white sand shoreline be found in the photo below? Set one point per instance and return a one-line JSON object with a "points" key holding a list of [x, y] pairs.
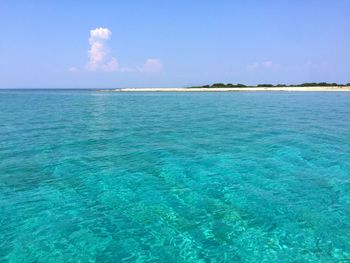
{"points": [[328, 88]]}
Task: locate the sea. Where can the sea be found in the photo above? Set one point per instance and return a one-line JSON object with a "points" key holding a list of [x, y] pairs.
{"points": [[89, 176]]}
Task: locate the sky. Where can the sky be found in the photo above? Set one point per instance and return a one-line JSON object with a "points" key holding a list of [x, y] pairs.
{"points": [[157, 43]]}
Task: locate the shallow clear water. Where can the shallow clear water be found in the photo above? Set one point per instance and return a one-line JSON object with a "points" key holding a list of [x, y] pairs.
{"points": [[200, 177]]}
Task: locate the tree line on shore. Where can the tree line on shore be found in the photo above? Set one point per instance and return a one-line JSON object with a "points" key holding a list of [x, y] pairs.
{"points": [[307, 84]]}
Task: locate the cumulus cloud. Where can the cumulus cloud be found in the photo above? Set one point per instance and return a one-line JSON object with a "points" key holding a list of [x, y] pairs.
{"points": [[267, 65], [73, 69], [152, 65], [99, 58], [111, 65], [99, 33], [253, 66]]}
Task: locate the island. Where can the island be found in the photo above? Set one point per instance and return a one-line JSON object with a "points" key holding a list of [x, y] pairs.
{"points": [[222, 87]]}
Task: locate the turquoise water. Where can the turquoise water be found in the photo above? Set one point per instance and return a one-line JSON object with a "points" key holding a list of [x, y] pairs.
{"points": [[174, 177]]}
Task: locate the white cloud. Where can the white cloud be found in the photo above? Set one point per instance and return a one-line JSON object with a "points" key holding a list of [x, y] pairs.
{"points": [[111, 66], [152, 65], [99, 58], [266, 65], [73, 69], [99, 33], [253, 66]]}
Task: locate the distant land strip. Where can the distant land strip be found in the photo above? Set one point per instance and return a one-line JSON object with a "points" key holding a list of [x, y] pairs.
{"points": [[217, 87], [307, 84]]}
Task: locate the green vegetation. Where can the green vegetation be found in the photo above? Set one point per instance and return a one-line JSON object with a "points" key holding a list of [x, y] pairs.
{"points": [[307, 84], [218, 84], [235, 85], [314, 84], [265, 85]]}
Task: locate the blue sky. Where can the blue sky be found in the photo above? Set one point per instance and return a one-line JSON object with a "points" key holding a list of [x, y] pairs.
{"points": [[111, 44]]}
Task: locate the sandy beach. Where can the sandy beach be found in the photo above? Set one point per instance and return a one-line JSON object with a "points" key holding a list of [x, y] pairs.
{"points": [[335, 88]]}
